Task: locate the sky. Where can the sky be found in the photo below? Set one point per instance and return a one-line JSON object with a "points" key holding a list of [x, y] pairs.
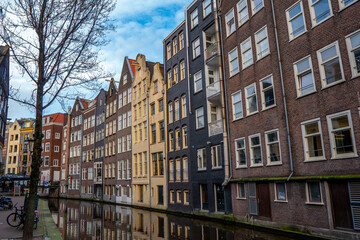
{"points": [[141, 26]]}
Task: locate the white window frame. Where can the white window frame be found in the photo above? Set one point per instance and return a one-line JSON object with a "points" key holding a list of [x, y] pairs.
{"points": [[196, 80], [238, 196], [248, 113], [195, 47], [322, 73], [216, 163], [244, 8], [233, 71], [236, 153], [276, 199], [205, 7], [194, 18], [307, 158], [334, 155], [308, 200], [234, 103], [342, 5], [350, 52], [253, 10], [268, 157], [267, 89], [56, 148], [290, 30], [244, 63], [57, 135], [312, 12], [257, 41], [203, 162], [198, 117], [229, 21], [298, 75], [252, 164]]}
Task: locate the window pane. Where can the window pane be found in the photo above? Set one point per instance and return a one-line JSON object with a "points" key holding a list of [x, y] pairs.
{"points": [[250, 90], [314, 146], [294, 11], [321, 9], [281, 195], [332, 71], [340, 122], [257, 154], [357, 60], [343, 142], [303, 65], [306, 83], [252, 104], [355, 40], [312, 128], [297, 25], [328, 53], [263, 48], [314, 192]]}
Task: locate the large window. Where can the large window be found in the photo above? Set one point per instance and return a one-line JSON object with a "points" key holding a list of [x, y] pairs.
{"points": [[341, 135], [320, 10], [273, 147], [176, 74], [171, 112], [312, 138], [171, 141], [246, 53], [262, 43], [233, 62], [313, 191], [181, 41], [216, 158], [267, 92], [199, 118], [353, 44], [243, 13], [175, 45], [168, 55], [330, 65], [169, 78], [240, 152], [183, 106], [177, 109], [255, 150], [196, 48], [256, 5], [295, 20], [304, 77], [184, 137], [251, 100], [153, 133], [182, 70], [237, 105], [230, 22], [206, 7], [177, 139], [171, 170], [280, 192], [185, 169], [240, 193], [197, 82], [162, 131], [194, 18], [201, 159]]}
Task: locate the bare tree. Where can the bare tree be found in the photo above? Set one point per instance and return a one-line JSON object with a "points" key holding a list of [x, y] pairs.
{"points": [[55, 44]]}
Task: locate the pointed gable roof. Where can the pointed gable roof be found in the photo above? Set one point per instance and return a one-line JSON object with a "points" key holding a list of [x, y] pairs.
{"points": [[56, 117]]}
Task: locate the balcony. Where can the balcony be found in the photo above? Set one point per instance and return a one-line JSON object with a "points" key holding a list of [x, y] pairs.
{"points": [[216, 127], [213, 93], [211, 55]]}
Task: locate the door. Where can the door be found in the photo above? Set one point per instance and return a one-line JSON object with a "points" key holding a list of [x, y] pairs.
{"points": [[340, 202], [354, 192], [263, 198]]}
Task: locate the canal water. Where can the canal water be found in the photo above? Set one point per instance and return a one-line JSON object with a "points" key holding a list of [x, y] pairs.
{"points": [[89, 220]]}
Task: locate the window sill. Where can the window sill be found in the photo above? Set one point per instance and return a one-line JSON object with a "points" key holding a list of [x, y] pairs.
{"points": [[216, 168], [306, 94], [241, 24], [253, 13], [243, 68], [281, 201], [315, 203], [259, 59], [315, 160], [232, 75], [354, 76], [241, 167], [274, 164], [196, 92], [267, 108], [253, 113], [239, 198], [346, 6], [200, 128], [317, 24], [228, 35], [201, 169], [290, 40], [333, 84], [257, 165], [347, 156]]}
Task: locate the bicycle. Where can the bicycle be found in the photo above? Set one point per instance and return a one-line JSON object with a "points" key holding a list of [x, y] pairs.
{"points": [[17, 218]]}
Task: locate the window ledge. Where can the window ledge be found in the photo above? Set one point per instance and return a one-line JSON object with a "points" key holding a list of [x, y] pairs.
{"points": [[200, 128], [241, 167], [347, 156], [317, 24], [306, 94], [232, 75], [354, 76], [228, 35], [258, 59], [239, 198], [243, 68], [216, 168], [267, 108], [281, 201], [333, 84], [252, 113], [257, 165], [237, 119], [346, 6], [290, 40], [201, 169], [314, 160], [274, 164], [315, 203]]}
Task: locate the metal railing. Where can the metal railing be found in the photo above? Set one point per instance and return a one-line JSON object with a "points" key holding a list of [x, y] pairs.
{"points": [[216, 127], [211, 50]]}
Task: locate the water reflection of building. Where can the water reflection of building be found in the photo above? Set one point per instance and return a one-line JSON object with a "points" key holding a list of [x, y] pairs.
{"points": [[73, 220], [149, 225], [86, 220]]}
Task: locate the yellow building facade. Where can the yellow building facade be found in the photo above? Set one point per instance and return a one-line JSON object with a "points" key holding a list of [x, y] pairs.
{"points": [[26, 133], [12, 161]]}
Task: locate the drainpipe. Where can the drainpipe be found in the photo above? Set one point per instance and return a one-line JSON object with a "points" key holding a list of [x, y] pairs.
{"points": [[187, 60], [283, 94], [148, 140], [165, 159]]}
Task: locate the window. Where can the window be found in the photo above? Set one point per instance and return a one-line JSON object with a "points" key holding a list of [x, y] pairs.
{"points": [[320, 10], [156, 87], [243, 14], [47, 147], [177, 110], [196, 48], [46, 161], [153, 133], [313, 192], [177, 139], [184, 137], [240, 152], [206, 7], [48, 134], [152, 108], [267, 92], [280, 192], [186, 202], [171, 112], [182, 70], [194, 18], [230, 22], [176, 74], [161, 105], [246, 53], [304, 77], [181, 41], [175, 46], [312, 138], [295, 20], [183, 106], [233, 62], [262, 43], [171, 141], [57, 135], [56, 148], [197, 82], [178, 170], [216, 158], [273, 147], [162, 131], [256, 5], [201, 159], [353, 44], [185, 169], [251, 101], [255, 150], [341, 135], [345, 3], [170, 79], [237, 105], [240, 193], [171, 171], [330, 65], [168, 52], [199, 118]]}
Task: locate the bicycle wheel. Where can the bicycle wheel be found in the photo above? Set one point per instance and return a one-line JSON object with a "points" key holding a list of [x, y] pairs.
{"points": [[14, 220]]}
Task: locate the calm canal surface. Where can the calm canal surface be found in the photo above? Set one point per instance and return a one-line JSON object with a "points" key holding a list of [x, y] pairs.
{"points": [[87, 220]]}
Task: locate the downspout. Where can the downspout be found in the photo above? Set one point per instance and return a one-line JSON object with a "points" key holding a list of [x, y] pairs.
{"points": [[283, 94], [165, 141], [187, 59], [148, 140], [227, 155]]}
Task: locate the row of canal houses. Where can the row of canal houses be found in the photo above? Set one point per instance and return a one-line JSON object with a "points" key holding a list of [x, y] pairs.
{"points": [[254, 112]]}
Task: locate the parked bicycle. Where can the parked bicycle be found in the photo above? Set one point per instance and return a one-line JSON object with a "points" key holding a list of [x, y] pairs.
{"points": [[17, 218], [6, 202]]}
